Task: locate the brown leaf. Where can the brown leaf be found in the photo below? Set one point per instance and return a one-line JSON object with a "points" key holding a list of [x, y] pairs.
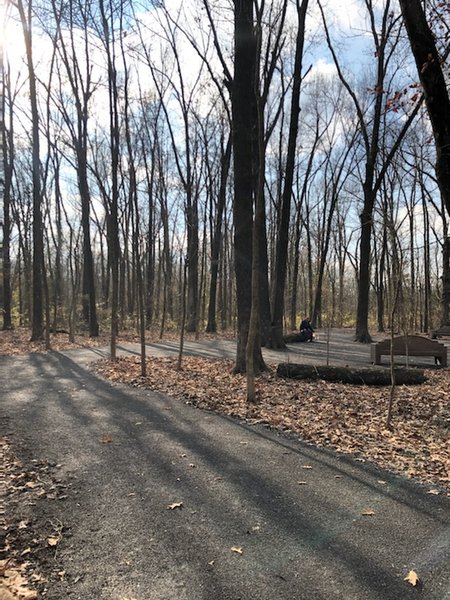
{"points": [[412, 578], [53, 541], [367, 512], [106, 439]]}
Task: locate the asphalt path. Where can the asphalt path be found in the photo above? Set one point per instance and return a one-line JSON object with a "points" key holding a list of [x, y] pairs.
{"points": [[293, 512]]}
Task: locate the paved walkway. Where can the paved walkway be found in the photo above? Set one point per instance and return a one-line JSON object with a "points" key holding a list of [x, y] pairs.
{"points": [[293, 514], [335, 348]]}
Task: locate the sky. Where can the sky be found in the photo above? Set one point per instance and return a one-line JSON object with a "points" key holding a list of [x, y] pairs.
{"points": [[345, 16]]}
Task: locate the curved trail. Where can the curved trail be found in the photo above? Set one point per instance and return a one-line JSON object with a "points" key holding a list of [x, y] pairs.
{"points": [[239, 488]]}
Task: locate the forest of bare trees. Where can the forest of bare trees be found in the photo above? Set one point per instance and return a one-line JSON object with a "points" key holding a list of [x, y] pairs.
{"points": [[224, 166]]}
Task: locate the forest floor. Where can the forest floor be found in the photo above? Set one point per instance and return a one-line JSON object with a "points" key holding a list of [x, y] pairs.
{"points": [[347, 419]]}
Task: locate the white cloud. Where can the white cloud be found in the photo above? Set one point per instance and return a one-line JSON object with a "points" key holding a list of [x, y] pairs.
{"points": [[346, 15], [323, 68]]}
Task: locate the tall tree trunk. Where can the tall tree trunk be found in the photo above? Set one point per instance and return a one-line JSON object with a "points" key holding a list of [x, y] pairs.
{"points": [[7, 156], [427, 267], [381, 275], [437, 96], [283, 230], [113, 230], [211, 326], [243, 117], [362, 311], [37, 325], [445, 300], [88, 283], [192, 261]]}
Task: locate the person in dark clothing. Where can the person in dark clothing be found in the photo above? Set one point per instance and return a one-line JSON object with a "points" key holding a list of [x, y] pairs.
{"points": [[307, 330]]}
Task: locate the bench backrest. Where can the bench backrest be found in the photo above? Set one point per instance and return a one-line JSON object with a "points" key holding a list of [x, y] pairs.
{"points": [[412, 343]]}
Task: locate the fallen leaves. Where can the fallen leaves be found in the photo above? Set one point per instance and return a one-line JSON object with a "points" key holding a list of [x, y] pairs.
{"points": [[237, 549], [24, 542], [15, 584], [413, 579], [53, 541], [319, 412], [175, 505], [367, 512], [106, 439]]}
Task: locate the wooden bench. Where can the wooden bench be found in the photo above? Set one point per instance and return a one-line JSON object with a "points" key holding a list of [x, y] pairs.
{"points": [[409, 345], [442, 331]]}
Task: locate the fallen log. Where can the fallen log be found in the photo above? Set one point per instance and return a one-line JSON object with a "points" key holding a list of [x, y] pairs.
{"points": [[293, 338], [361, 376]]}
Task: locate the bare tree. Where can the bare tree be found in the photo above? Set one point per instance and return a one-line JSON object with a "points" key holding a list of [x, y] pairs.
{"points": [[283, 228], [385, 40], [7, 156], [25, 13], [82, 88]]}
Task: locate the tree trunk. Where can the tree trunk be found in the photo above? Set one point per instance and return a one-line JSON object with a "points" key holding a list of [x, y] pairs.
{"points": [[88, 284], [437, 97], [211, 326], [38, 239], [362, 313], [381, 275], [283, 230], [113, 229], [243, 116], [192, 260], [7, 156], [445, 300], [351, 376]]}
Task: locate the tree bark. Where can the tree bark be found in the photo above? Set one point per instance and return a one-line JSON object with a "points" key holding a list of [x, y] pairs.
{"points": [[283, 230], [211, 326], [362, 311], [437, 97], [37, 332], [243, 116], [7, 156], [351, 376]]}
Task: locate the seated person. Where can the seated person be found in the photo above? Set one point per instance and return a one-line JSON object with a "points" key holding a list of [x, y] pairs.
{"points": [[307, 330]]}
